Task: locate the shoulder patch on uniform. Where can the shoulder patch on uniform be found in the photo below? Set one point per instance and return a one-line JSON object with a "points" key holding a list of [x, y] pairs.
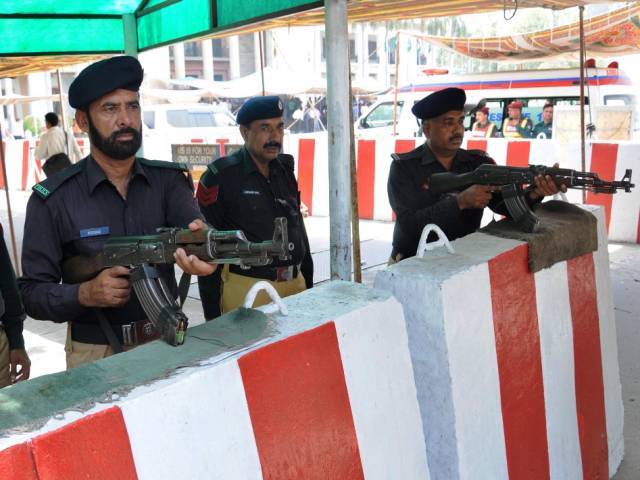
{"points": [[287, 160], [164, 164], [49, 185]]}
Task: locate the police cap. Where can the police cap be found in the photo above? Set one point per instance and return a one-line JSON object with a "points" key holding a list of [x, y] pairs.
{"points": [[439, 102], [258, 108], [104, 77]]}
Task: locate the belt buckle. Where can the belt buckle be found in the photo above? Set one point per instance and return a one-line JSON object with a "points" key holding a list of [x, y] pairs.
{"points": [[129, 334]]}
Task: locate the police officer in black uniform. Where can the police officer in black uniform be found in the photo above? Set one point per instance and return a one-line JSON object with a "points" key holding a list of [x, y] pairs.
{"points": [[109, 193], [15, 365], [247, 190], [458, 213]]}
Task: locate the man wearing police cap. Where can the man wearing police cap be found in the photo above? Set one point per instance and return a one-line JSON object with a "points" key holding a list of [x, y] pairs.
{"points": [[458, 213], [247, 190], [111, 192]]}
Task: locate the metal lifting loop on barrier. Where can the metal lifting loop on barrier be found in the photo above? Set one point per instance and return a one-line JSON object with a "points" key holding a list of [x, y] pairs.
{"points": [[423, 246], [276, 304]]}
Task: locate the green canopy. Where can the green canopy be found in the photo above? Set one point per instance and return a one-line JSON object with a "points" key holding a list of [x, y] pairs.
{"points": [[55, 27]]}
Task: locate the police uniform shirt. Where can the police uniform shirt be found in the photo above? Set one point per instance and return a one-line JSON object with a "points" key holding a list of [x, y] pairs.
{"points": [[75, 212], [415, 206], [11, 310], [234, 195]]}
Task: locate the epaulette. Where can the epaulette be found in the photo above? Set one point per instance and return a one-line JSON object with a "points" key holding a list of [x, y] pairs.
{"points": [[221, 163], [164, 164], [415, 153], [287, 160], [480, 153], [49, 185]]}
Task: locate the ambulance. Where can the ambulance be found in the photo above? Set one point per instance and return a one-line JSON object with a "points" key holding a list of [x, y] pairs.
{"points": [[608, 87]]}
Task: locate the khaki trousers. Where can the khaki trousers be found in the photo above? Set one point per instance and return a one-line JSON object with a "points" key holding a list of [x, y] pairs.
{"points": [[5, 361], [79, 353], [235, 288]]}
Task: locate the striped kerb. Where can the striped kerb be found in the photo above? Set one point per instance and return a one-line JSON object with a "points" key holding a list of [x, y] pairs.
{"points": [[25, 163], [96, 446], [306, 158], [588, 367], [604, 157], [366, 168], [299, 408], [477, 145], [518, 154], [513, 299]]}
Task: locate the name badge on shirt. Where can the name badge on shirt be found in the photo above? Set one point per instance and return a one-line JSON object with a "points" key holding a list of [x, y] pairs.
{"points": [[251, 192], [94, 232]]}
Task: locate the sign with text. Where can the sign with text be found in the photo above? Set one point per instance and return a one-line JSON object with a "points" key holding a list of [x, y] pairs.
{"points": [[200, 154]]}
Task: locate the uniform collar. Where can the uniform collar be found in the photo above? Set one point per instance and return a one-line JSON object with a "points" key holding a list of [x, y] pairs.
{"points": [[95, 174], [429, 157]]}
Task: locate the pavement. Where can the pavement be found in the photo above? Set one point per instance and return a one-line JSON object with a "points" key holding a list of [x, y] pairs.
{"points": [[45, 340]]}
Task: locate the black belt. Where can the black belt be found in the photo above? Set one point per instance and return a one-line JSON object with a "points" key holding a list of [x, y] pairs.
{"points": [[275, 274], [128, 334]]}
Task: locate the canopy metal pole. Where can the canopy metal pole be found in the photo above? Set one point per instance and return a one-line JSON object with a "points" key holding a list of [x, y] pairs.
{"points": [[12, 231], [130, 34], [338, 138], [261, 62], [582, 126], [395, 90], [64, 118], [355, 213]]}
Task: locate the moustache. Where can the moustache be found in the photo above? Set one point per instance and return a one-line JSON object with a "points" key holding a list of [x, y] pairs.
{"points": [[272, 144], [457, 137], [124, 131]]}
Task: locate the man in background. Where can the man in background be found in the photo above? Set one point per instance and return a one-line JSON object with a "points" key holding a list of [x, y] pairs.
{"points": [[516, 126], [54, 140], [545, 127], [483, 128]]}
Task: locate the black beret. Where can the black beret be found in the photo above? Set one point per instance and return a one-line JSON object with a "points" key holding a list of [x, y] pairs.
{"points": [[103, 77], [258, 108], [439, 102]]}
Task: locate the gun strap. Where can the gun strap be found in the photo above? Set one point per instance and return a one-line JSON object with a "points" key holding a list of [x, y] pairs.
{"points": [[114, 343], [183, 287]]}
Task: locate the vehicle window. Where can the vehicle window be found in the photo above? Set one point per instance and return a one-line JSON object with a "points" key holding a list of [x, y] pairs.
{"points": [[178, 118], [201, 119], [381, 115], [618, 100], [149, 119], [223, 119]]}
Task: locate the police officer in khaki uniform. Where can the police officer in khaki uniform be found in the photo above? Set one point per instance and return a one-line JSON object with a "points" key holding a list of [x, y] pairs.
{"points": [[109, 193], [15, 365], [456, 213], [246, 191]]}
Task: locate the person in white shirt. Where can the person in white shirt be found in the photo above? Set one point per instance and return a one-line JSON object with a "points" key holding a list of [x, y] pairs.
{"points": [[55, 140]]}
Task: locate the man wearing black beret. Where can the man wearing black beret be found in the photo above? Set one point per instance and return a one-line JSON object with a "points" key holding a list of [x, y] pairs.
{"points": [[457, 214], [248, 190], [109, 193]]}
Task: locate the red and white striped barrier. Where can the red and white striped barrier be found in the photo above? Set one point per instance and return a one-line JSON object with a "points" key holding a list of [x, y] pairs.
{"points": [[517, 373], [337, 400]]}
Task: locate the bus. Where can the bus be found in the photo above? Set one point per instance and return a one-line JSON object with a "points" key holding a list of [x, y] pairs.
{"points": [[607, 87]]}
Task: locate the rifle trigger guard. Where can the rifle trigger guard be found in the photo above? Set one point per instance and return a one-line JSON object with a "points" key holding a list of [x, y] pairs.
{"points": [[275, 298], [423, 246]]}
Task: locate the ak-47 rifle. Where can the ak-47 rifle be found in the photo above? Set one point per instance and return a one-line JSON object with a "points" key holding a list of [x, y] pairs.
{"points": [[143, 252], [515, 182]]}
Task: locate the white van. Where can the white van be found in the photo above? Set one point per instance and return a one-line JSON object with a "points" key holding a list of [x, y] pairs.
{"points": [[496, 90], [172, 124]]}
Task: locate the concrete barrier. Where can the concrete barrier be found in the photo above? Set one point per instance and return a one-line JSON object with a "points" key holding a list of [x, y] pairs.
{"points": [[327, 392], [517, 373]]}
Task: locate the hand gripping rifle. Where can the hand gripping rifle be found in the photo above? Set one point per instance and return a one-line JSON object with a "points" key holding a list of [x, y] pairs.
{"points": [[143, 252], [516, 182]]}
